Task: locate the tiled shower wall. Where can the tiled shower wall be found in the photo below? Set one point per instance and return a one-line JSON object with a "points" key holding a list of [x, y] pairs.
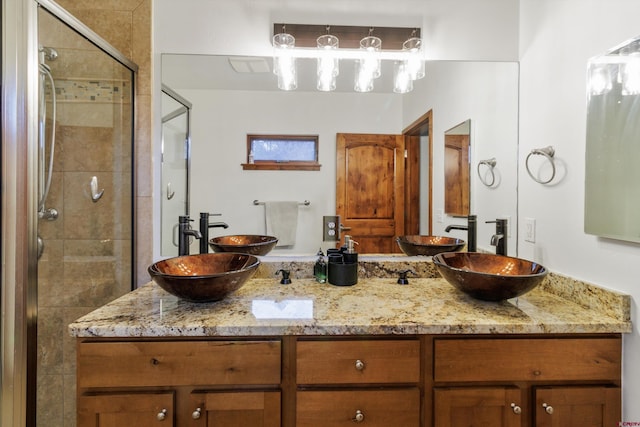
{"points": [[82, 265]]}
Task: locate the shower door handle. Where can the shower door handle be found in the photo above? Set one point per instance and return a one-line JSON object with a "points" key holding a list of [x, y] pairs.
{"points": [[95, 194]]}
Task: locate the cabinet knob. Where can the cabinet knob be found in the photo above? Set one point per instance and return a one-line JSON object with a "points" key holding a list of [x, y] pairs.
{"points": [[359, 417], [547, 408], [196, 414], [516, 409], [359, 365], [162, 415]]}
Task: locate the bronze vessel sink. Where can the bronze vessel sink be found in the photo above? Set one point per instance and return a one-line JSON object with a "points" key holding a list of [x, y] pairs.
{"points": [[205, 277], [489, 277], [244, 243], [428, 245]]}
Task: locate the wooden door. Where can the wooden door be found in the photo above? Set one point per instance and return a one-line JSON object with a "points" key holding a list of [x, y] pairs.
{"points": [[456, 174], [478, 407], [370, 189], [577, 406], [126, 409]]}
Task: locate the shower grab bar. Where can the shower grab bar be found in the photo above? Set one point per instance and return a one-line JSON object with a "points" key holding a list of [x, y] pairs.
{"points": [[95, 194]]}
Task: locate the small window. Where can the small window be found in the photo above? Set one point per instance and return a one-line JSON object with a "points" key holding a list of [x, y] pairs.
{"points": [[282, 152]]}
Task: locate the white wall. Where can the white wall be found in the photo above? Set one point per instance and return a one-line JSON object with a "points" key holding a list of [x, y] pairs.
{"points": [[221, 121], [486, 93], [557, 38]]}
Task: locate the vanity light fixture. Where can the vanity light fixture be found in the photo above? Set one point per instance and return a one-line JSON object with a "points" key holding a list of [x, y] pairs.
{"points": [[328, 64], [284, 63], [402, 45]]}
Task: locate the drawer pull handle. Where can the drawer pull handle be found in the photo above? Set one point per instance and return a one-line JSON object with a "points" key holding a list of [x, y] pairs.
{"points": [[155, 361], [359, 365], [516, 409], [162, 415], [547, 408], [196, 414], [359, 417]]}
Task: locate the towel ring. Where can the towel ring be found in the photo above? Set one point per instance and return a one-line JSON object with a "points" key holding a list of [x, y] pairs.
{"points": [[547, 152], [490, 163]]}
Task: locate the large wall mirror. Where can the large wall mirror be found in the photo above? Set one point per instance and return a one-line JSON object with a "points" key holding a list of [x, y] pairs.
{"points": [[234, 96], [612, 193]]}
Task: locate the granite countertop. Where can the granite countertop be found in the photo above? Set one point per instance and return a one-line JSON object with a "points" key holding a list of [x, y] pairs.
{"points": [[375, 306]]}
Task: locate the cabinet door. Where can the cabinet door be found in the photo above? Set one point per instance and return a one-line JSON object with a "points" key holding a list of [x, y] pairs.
{"points": [[121, 409], [477, 407], [577, 406], [237, 409]]}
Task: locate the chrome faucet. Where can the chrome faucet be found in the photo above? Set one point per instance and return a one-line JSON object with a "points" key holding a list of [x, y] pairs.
{"points": [[472, 231], [499, 240], [184, 231], [205, 225]]}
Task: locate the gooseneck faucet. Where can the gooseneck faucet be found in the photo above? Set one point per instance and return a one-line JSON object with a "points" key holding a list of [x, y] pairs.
{"points": [[499, 240], [205, 225], [472, 231], [184, 231]]}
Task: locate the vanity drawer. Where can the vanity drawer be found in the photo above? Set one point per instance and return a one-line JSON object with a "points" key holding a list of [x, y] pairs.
{"points": [[527, 359], [373, 408], [158, 363], [358, 361]]}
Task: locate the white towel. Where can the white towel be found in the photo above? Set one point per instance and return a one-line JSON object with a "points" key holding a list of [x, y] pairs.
{"points": [[282, 221]]}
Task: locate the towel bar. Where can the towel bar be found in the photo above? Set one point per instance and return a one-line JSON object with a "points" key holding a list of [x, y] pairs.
{"points": [[305, 203]]}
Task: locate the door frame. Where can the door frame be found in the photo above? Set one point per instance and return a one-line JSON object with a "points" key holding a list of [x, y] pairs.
{"points": [[412, 133]]}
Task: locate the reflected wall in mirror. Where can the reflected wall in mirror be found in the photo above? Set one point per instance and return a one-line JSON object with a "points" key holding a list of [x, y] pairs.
{"points": [[176, 113], [457, 141], [228, 105], [612, 193]]}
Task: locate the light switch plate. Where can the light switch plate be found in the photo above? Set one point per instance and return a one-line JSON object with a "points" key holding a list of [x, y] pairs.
{"points": [[530, 230]]}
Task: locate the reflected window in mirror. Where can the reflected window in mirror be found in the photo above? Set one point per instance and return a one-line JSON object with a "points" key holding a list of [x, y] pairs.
{"points": [[282, 152], [457, 142]]}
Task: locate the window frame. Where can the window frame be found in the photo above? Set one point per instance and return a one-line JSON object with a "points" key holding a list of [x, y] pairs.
{"points": [[304, 165]]}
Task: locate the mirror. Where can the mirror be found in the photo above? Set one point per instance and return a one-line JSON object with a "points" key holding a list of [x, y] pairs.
{"points": [[176, 113], [612, 194], [229, 104], [457, 142]]}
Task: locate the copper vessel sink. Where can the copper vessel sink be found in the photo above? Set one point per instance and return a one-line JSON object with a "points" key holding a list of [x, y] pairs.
{"points": [[205, 277], [244, 243], [489, 277], [428, 245]]}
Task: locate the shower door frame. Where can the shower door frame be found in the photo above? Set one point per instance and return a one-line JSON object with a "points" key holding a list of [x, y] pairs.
{"points": [[18, 204]]}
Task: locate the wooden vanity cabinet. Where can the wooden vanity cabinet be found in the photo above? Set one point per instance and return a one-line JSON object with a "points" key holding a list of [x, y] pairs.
{"points": [[179, 383], [525, 381], [385, 381]]}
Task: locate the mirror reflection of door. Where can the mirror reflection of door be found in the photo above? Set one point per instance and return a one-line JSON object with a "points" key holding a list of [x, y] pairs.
{"points": [[370, 189], [175, 167], [456, 170]]}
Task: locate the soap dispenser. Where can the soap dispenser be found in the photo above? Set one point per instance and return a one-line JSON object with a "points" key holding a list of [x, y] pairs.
{"points": [[320, 268], [350, 256]]}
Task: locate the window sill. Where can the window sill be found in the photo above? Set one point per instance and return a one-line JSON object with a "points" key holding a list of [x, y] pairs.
{"points": [[285, 166]]}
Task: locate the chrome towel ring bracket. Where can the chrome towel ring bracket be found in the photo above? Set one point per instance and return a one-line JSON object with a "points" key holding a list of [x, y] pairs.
{"points": [[489, 177], [547, 152]]}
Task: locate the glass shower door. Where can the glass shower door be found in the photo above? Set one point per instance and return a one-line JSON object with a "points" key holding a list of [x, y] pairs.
{"points": [[85, 226]]}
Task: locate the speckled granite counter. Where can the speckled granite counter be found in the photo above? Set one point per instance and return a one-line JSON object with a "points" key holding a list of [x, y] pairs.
{"points": [[372, 307]]}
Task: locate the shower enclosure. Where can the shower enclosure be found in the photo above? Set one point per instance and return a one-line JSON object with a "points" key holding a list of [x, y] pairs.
{"points": [[81, 237]]}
